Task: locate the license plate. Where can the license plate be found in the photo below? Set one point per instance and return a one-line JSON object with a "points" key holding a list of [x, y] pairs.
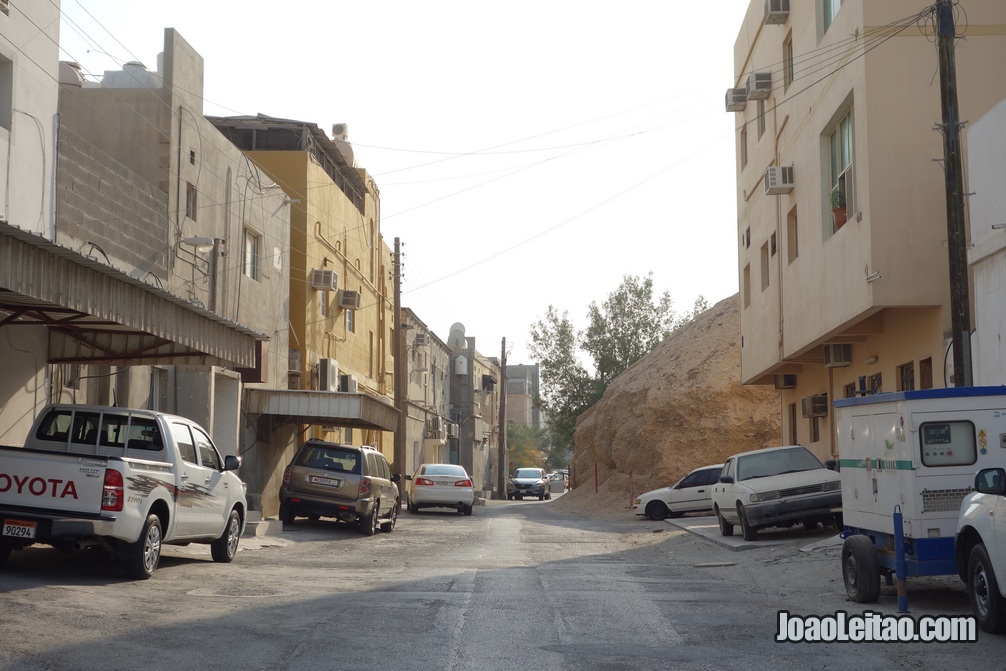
{"points": [[325, 482], [19, 528]]}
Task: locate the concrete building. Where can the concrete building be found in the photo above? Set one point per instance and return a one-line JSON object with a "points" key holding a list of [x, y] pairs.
{"points": [[431, 437], [341, 320], [835, 104], [522, 388]]}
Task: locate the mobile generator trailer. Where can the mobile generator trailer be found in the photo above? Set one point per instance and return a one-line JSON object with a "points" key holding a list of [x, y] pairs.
{"points": [[907, 461]]}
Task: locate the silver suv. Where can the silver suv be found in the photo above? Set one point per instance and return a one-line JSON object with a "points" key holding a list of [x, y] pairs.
{"points": [[350, 483]]}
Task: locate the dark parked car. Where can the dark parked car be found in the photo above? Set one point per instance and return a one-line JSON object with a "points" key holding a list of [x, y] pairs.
{"points": [[528, 482]]}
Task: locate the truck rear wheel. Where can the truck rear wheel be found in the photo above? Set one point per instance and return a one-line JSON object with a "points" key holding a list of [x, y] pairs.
{"points": [[983, 592], [142, 557], [860, 569], [224, 548]]}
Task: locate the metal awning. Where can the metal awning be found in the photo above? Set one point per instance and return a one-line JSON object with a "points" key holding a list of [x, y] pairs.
{"points": [[334, 408], [95, 313]]}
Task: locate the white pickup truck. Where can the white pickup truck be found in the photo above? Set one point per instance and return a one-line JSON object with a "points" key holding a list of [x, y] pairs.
{"points": [[120, 479], [980, 548]]}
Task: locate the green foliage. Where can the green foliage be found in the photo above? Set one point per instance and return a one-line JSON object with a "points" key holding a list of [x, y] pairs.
{"points": [[620, 331], [527, 446]]}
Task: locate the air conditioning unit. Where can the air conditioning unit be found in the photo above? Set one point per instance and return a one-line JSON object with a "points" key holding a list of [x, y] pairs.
{"points": [[759, 85], [349, 299], [434, 423], [785, 381], [340, 131], [293, 364], [324, 279], [348, 384], [837, 356], [736, 100], [422, 340], [776, 11], [778, 180], [328, 375], [452, 430], [815, 406]]}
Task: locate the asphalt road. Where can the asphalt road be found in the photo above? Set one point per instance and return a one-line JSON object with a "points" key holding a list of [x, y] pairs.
{"points": [[518, 585]]}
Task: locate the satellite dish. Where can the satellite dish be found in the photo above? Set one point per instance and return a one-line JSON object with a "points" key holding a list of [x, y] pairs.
{"points": [[456, 340]]}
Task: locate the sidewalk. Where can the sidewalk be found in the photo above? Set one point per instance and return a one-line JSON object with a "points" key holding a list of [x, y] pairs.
{"points": [[709, 529]]}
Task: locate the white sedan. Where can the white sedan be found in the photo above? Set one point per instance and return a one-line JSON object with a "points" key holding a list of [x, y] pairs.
{"points": [[440, 486], [689, 494]]}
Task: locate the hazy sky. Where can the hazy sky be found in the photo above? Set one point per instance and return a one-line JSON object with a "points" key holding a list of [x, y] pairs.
{"points": [[527, 153]]}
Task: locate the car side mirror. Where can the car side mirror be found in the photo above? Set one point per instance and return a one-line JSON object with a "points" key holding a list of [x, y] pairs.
{"points": [[991, 481], [726, 479], [396, 478], [831, 465], [408, 477], [232, 463]]}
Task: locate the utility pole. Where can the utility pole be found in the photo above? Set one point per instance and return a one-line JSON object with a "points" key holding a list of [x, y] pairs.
{"points": [[960, 306], [399, 345], [501, 470]]}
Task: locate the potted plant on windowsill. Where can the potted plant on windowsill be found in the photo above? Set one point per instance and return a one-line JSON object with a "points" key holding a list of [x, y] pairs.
{"points": [[838, 208]]}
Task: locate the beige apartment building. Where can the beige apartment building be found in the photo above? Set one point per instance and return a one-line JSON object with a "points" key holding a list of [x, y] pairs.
{"points": [[842, 225]]}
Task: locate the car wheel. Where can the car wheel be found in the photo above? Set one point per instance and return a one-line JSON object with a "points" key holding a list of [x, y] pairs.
{"points": [[509, 497], [5, 551], [657, 511], [860, 569], [749, 532], [142, 557], [286, 513], [810, 525], [519, 497], [983, 592], [224, 548], [548, 496], [368, 523], [389, 525], [541, 497], [726, 529], [467, 510]]}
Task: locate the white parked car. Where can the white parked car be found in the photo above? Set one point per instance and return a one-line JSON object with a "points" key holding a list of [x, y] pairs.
{"points": [[440, 486], [980, 548], [689, 494], [776, 487]]}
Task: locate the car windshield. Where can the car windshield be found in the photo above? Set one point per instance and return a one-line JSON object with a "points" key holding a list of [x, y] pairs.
{"points": [[776, 462], [534, 473], [444, 469]]}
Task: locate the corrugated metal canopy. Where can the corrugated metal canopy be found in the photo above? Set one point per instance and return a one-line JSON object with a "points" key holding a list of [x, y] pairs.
{"points": [[98, 314], [322, 407]]}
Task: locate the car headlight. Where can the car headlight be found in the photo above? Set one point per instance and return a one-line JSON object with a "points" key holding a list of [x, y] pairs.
{"points": [[637, 502], [832, 486], [764, 496]]}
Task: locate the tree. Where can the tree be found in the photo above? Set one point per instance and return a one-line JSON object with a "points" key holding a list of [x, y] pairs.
{"points": [[527, 446]]}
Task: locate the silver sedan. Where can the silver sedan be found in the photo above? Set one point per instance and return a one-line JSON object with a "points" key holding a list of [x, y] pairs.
{"points": [[440, 486]]}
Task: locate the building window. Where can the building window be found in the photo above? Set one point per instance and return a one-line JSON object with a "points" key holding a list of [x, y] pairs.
{"points": [[771, 244], [792, 237], [192, 157], [906, 377], [787, 62], [6, 92], [792, 424], [349, 321], [849, 390], [324, 303], [747, 286], [761, 118], [926, 373], [840, 142], [831, 8], [815, 429], [190, 201], [249, 265], [744, 147], [747, 237], [876, 383], [764, 267]]}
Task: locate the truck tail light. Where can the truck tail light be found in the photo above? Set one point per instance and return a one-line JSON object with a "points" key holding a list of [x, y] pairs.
{"points": [[112, 491], [364, 486]]}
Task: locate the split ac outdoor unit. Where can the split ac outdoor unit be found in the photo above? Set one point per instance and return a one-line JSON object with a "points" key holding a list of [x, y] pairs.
{"points": [[349, 299], [759, 85], [837, 356], [785, 381], [293, 362], [778, 180], [328, 375], [736, 100], [452, 430], [815, 406], [348, 384], [776, 11], [324, 279], [422, 339], [434, 423]]}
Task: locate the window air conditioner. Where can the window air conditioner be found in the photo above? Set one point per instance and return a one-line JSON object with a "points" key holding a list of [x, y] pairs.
{"points": [[815, 406], [776, 11], [837, 356], [422, 339], [349, 299], [324, 279], [785, 381], [736, 100], [759, 85], [328, 375], [778, 180]]}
